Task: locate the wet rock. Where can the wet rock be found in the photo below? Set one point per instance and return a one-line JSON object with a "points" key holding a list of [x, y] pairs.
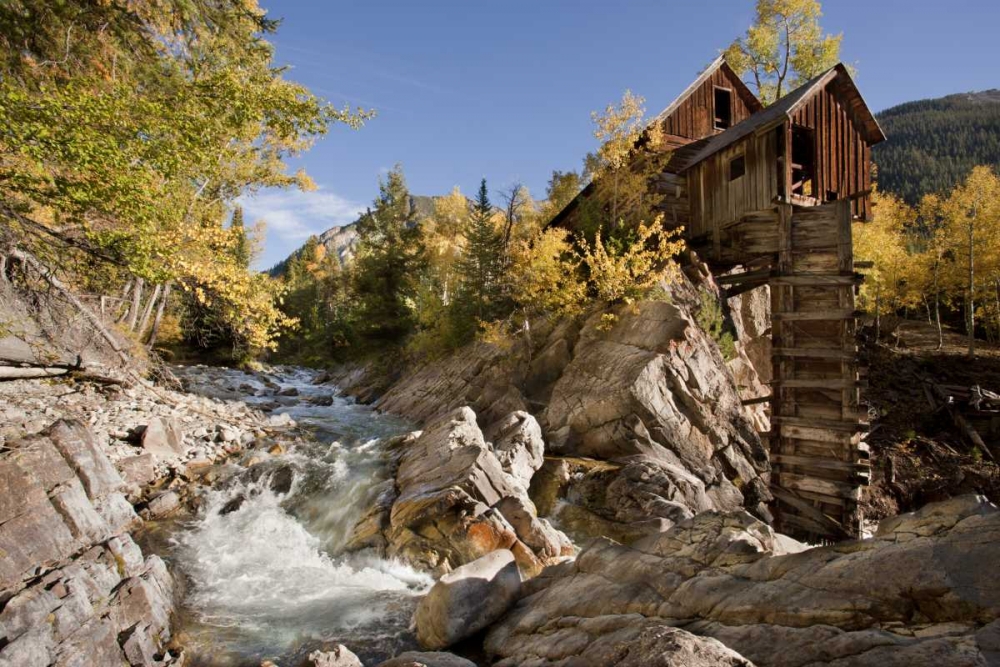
{"points": [[919, 593], [282, 479], [468, 599], [427, 659], [289, 391], [163, 438], [233, 505], [340, 656], [369, 531], [163, 504], [323, 400]]}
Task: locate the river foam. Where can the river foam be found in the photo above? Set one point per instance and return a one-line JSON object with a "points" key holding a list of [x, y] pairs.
{"points": [[269, 579]]}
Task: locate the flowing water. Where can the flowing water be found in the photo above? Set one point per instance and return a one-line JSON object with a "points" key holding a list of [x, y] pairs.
{"points": [[269, 580]]}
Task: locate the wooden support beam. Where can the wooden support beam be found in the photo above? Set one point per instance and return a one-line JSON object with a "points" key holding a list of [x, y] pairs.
{"points": [[817, 383], [739, 278], [803, 280], [814, 353], [758, 400], [806, 315], [825, 464]]}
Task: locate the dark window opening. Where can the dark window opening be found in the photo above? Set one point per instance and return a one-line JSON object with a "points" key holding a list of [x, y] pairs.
{"points": [[737, 167], [723, 108], [803, 162]]}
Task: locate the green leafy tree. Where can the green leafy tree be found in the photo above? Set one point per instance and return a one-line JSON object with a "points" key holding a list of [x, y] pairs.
{"points": [[783, 48], [127, 129]]}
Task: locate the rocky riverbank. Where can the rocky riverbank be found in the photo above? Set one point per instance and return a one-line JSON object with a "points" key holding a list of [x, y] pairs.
{"points": [[81, 465]]}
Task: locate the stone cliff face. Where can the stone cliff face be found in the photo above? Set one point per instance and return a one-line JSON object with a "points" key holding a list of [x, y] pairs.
{"points": [[643, 423]]}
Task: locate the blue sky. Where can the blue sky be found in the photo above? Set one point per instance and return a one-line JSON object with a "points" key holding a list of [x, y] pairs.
{"points": [[504, 90]]}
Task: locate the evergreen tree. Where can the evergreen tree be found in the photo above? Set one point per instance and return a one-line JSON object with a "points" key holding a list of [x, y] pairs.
{"points": [[479, 266], [388, 263], [242, 250]]}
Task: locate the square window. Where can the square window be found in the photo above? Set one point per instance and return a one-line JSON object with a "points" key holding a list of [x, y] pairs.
{"points": [[737, 167]]}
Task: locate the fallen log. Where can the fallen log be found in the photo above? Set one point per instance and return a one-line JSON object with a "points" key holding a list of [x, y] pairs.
{"points": [[961, 422], [30, 372]]}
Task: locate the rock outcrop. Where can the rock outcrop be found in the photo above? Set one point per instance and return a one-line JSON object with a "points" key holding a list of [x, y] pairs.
{"points": [[450, 500], [923, 591], [467, 599], [74, 588], [653, 396]]}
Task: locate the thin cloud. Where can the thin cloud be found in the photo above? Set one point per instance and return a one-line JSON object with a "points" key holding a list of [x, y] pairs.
{"points": [[292, 216]]}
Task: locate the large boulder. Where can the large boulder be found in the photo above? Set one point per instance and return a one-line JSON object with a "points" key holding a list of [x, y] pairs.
{"points": [[467, 599], [922, 592], [446, 503]]}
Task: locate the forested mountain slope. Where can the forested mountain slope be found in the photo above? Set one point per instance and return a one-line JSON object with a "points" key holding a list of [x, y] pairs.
{"points": [[933, 144]]}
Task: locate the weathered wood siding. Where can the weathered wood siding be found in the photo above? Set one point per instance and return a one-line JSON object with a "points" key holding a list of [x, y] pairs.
{"points": [[843, 158], [716, 201], [694, 119]]}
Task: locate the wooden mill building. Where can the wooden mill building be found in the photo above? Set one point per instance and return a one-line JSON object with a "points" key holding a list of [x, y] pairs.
{"points": [[767, 196]]}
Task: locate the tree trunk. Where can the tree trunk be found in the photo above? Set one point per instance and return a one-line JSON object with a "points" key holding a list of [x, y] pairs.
{"points": [[878, 312], [996, 297], [149, 310], [123, 314], [159, 316], [133, 317], [971, 303], [937, 319]]}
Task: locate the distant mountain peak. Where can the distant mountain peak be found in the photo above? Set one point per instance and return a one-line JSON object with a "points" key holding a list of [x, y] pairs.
{"points": [[342, 240]]}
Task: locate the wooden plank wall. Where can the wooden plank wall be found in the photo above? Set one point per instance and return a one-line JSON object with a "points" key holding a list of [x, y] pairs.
{"points": [[843, 159], [717, 202], [693, 118], [819, 462]]}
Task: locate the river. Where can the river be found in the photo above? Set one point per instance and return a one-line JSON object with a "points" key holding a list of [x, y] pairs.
{"points": [[270, 580]]}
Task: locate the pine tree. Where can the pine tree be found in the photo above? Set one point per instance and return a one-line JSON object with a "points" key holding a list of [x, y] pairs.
{"points": [[388, 263], [479, 266], [241, 245]]}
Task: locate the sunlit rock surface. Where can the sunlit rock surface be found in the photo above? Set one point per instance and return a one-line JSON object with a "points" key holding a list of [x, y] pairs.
{"points": [[922, 592]]}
